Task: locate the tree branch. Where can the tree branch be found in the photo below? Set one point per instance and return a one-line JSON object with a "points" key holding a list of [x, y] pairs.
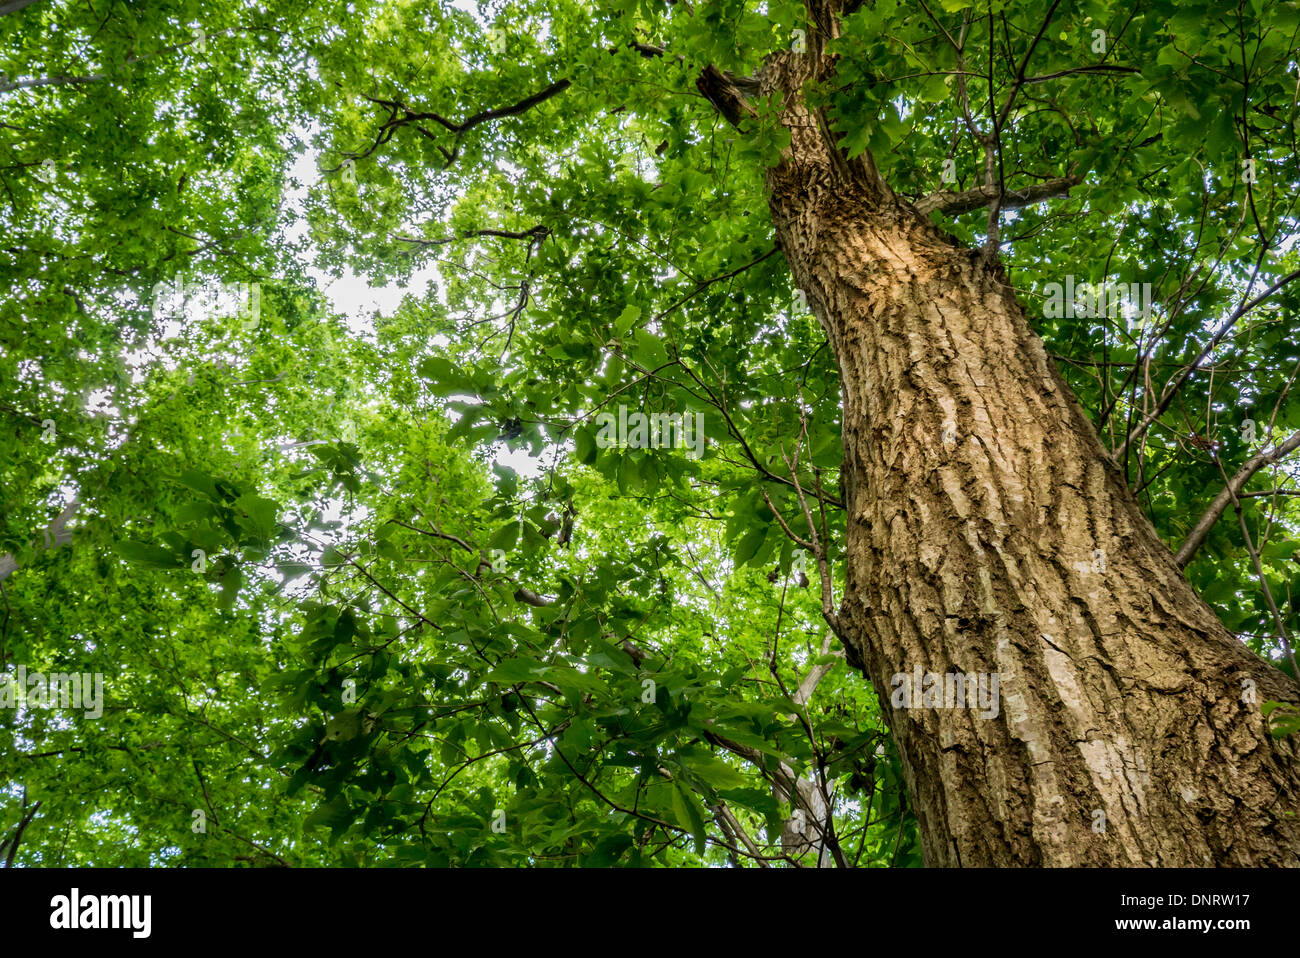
{"points": [[14, 6], [1020, 72], [955, 203], [728, 821], [536, 233], [9, 847], [723, 91], [56, 534], [1185, 373], [1231, 492], [62, 80], [815, 675], [1102, 68], [409, 117]]}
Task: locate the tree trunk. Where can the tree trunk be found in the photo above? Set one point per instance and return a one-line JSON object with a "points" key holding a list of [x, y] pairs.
{"points": [[989, 532]]}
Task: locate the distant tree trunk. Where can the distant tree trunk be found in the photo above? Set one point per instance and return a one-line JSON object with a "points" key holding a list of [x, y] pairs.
{"points": [[989, 532]]}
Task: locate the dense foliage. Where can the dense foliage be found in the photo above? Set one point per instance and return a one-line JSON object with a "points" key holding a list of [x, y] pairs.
{"points": [[376, 589]]}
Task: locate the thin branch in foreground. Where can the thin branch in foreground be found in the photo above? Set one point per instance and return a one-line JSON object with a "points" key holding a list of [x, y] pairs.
{"points": [[1231, 492]]}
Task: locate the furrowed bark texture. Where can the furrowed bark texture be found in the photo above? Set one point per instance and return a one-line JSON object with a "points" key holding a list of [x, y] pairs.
{"points": [[988, 532]]}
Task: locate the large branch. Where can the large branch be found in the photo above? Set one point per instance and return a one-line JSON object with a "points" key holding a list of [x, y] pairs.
{"points": [[728, 821], [723, 90], [14, 6], [1230, 492], [808, 686], [30, 82], [497, 113], [416, 119], [956, 203], [64, 79], [538, 232], [55, 535]]}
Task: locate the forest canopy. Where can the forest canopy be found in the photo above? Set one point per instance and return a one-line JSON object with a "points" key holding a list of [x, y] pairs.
{"points": [[538, 562]]}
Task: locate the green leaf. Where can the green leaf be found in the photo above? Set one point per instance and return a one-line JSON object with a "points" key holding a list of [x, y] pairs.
{"points": [[626, 320], [343, 727], [749, 545], [717, 773], [687, 812], [648, 351], [336, 815], [506, 536], [257, 515], [443, 377], [148, 555], [200, 482], [232, 579], [584, 445], [608, 850], [515, 670]]}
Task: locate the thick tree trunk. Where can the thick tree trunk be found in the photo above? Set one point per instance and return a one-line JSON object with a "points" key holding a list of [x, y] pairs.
{"points": [[989, 532]]}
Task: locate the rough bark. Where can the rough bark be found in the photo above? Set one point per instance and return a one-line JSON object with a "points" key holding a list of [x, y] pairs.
{"points": [[989, 532]]}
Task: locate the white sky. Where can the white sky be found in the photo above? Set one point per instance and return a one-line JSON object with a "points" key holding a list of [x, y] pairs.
{"points": [[358, 300]]}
